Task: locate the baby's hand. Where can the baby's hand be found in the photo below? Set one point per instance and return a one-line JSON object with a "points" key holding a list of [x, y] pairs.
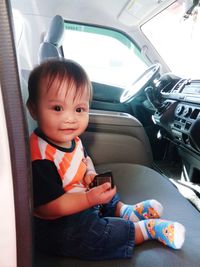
{"points": [[89, 177], [101, 194]]}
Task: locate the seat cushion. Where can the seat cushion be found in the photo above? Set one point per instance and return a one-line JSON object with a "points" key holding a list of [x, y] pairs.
{"points": [[134, 184]]}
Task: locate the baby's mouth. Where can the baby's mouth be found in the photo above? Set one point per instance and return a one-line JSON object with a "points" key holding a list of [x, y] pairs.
{"points": [[69, 130]]}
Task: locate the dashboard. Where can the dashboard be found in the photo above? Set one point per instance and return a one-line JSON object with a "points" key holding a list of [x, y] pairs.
{"points": [[179, 116]]}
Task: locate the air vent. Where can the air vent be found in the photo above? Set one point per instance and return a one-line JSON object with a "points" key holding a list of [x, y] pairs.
{"points": [[178, 87], [195, 113]]}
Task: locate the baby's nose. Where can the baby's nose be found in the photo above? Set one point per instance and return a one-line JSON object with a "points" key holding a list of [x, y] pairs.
{"points": [[69, 117]]}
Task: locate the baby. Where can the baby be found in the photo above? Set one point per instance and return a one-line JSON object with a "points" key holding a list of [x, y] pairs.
{"points": [[71, 220]]}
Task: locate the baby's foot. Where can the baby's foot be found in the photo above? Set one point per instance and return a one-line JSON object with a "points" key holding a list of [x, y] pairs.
{"points": [[144, 210], [169, 233]]}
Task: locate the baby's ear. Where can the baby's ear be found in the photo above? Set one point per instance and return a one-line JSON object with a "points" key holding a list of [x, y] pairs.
{"points": [[32, 110]]}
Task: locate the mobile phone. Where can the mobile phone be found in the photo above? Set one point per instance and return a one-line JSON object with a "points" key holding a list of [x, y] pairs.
{"points": [[102, 178]]}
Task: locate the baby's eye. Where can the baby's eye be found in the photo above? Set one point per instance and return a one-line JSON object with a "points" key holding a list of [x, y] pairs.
{"points": [[79, 109], [57, 108]]}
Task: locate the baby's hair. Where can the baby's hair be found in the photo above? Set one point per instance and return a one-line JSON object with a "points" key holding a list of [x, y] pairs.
{"points": [[62, 70]]}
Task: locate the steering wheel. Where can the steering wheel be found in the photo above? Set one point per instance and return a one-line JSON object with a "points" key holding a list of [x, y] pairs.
{"points": [[140, 83]]}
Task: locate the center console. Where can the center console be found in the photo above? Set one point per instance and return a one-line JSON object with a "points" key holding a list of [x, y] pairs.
{"points": [[179, 117]]}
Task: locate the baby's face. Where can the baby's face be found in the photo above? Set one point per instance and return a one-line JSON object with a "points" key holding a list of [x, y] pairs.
{"points": [[61, 114]]}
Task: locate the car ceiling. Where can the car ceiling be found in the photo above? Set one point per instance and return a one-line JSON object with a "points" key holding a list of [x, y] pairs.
{"points": [[124, 15], [107, 12]]}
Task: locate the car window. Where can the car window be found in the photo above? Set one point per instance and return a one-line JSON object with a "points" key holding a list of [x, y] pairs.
{"points": [[108, 56], [176, 38]]}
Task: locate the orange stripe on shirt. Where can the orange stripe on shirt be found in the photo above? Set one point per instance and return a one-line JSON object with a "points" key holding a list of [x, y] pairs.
{"points": [[50, 152], [78, 177], [34, 148], [66, 161]]}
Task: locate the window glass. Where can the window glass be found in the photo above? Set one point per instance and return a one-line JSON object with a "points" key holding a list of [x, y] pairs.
{"points": [[176, 38], [108, 56]]}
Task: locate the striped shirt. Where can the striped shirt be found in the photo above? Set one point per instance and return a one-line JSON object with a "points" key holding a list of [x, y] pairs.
{"points": [[70, 163]]}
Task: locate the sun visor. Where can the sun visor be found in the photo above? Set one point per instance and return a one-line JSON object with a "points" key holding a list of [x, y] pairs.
{"points": [[136, 12]]}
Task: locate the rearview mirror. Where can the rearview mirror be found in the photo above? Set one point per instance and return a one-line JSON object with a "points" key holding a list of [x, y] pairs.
{"points": [[189, 7]]}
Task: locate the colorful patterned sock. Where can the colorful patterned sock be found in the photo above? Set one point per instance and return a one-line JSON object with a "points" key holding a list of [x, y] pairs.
{"points": [[169, 233], [144, 210]]}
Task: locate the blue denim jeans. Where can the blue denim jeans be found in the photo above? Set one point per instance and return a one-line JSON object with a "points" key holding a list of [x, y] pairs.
{"points": [[93, 234]]}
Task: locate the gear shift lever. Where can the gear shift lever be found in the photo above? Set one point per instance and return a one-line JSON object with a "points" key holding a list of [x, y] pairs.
{"points": [[149, 91]]}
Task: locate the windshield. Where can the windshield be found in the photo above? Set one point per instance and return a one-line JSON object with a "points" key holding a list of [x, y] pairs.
{"points": [[177, 39], [108, 56]]}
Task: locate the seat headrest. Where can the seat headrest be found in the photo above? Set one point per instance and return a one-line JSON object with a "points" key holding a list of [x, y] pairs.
{"points": [[55, 32], [51, 46]]}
